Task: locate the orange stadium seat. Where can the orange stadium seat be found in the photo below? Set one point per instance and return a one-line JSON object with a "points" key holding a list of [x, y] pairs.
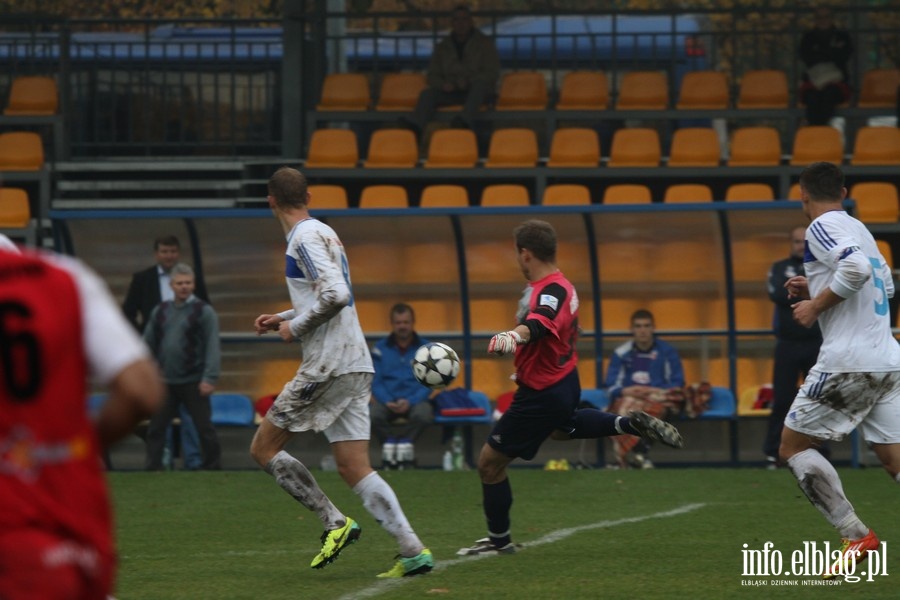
{"points": [[452, 148], [695, 147], [876, 146], [513, 147], [817, 143], [643, 90], [584, 90], [635, 147], [327, 196], [763, 89], [15, 211], [749, 192], [400, 91], [574, 147], [566, 194], [523, 90], [627, 193], [703, 90], [879, 88], [332, 148], [503, 194], [33, 95], [885, 248], [687, 192], [794, 192], [384, 196], [21, 151], [755, 147], [439, 195], [345, 92], [876, 201], [393, 149]]}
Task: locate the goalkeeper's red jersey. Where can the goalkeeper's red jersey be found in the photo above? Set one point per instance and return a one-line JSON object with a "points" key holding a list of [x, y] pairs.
{"points": [[553, 302]]}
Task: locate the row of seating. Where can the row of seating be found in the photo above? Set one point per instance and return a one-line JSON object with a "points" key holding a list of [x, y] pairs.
{"points": [[589, 90], [876, 201], [32, 96], [580, 147]]}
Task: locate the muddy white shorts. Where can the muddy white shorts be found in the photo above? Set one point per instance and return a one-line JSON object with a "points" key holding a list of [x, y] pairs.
{"points": [[338, 407], [831, 405]]}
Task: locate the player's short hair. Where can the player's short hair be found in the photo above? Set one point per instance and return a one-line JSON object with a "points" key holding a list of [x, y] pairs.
{"points": [[166, 240], [402, 308], [538, 237], [642, 313], [181, 269], [289, 188], [823, 181]]}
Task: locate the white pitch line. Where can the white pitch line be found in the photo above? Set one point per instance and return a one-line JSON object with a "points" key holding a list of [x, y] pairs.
{"points": [[385, 585]]}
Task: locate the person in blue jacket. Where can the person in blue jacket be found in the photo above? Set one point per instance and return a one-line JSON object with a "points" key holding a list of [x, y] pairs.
{"points": [[644, 374], [399, 401]]}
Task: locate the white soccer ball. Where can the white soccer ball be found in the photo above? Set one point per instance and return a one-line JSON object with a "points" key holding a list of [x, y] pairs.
{"points": [[435, 365]]}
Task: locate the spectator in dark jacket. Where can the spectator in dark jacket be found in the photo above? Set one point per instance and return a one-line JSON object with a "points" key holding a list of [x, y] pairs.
{"points": [[825, 51]]}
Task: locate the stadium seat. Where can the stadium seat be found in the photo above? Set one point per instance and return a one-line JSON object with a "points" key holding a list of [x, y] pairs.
{"points": [[876, 202], [635, 147], [817, 143], [345, 92], [680, 193], [21, 151], [748, 399], [566, 194], [15, 211], [574, 147], [503, 194], [231, 409], [794, 192], [721, 404], [392, 149], [763, 89], [595, 397], [434, 196], [324, 196], [879, 88], [627, 193], [753, 312], [887, 252], [33, 95], [749, 192], [584, 90], [513, 147], [332, 148], [677, 313], [643, 90], [452, 148], [384, 196], [523, 90], [400, 91], [876, 146], [695, 147], [684, 261], [703, 90], [755, 147]]}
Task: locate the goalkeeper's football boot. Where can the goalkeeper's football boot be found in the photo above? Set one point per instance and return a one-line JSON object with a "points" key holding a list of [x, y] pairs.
{"points": [[852, 553], [485, 546], [655, 430], [407, 567], [335, 540]]}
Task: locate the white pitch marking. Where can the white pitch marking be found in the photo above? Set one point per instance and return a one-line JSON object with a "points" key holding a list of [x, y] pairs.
{"points": [[386, 585]]}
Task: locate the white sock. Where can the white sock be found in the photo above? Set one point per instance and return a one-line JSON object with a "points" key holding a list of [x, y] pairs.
{"points": [[380, 500], [822, 485], [897, 478], [297, 481]]}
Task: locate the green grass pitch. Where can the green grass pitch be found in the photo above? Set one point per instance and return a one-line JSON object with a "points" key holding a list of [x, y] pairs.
{"points": [[586, 534]]}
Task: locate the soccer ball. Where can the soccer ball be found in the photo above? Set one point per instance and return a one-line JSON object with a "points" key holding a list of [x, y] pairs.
{"points": [[435, 365]]}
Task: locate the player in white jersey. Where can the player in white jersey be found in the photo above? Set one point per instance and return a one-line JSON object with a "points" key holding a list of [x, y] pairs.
{"points": [[856, 380], [331, 390]]}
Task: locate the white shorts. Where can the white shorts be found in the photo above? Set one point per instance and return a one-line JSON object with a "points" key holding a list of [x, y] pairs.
{"points": [[338, 407], [831, 405]]}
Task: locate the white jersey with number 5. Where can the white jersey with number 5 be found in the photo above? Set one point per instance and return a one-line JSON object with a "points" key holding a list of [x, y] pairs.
{"points": [[856, 332]]}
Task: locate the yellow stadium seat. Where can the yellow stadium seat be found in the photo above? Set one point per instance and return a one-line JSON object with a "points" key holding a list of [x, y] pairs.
{"points": [[879, 88], [524, 90], [400, 91], [885, 248], [703, 90], [448, 196], [503, 194], [452, 148], [21, 151], [635, 147], [685, 260], [392, 149], [753, 313], [332, 148], [687, 192], [15, 211], [763, 89], [794, 192], [643, 90], [695, 147], [678, 313], [876, 146], [33, 95], [876, 201], [755, 147], [327, 196], [562, 194], [746, 402], [627, 193], [513, 147], [574, 147], [815, 143], [384, 196], [584, 90], [749, 192], [345, 92]]}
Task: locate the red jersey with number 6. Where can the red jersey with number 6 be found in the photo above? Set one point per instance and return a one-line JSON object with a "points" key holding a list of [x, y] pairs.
{"points": [[553, 302]]}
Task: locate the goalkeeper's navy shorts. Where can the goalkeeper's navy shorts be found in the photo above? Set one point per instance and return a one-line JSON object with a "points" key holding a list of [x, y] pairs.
{"points": [[534, 415]]}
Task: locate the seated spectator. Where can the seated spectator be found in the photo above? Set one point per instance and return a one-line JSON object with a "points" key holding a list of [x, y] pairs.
{"points": [[464, 69], [644, 374], [824, 50], [396, 393]]}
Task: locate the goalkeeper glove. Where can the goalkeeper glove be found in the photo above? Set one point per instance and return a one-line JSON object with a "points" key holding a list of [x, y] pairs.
{"points": [[505, 343]]}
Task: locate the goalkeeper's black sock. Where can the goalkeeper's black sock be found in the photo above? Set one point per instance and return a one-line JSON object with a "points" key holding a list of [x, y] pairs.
{"points": [[497, 498], [592, 423]]}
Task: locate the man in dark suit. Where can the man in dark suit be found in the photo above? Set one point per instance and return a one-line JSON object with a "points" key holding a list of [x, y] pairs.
{"points": [[148, 288]]}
